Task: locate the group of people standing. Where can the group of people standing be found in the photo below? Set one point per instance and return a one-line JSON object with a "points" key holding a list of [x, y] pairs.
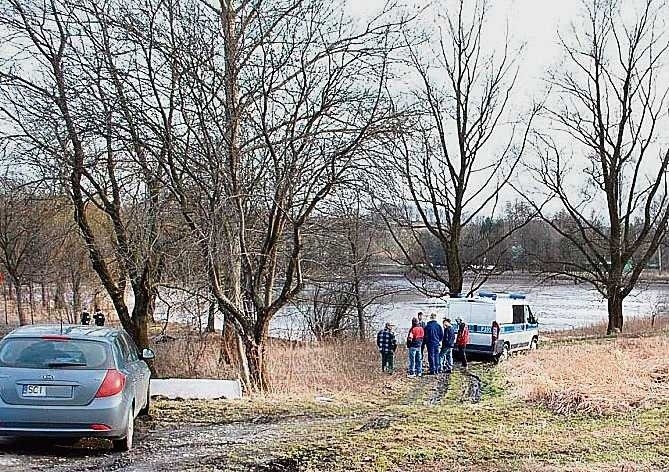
{"points": [[438, 340]]}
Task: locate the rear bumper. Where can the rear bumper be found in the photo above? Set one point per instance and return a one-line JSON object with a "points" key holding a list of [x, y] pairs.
{"points": [[485, 349], [65, 421]]}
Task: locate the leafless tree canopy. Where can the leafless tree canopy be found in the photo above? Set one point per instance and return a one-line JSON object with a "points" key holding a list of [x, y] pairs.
{"points": [[610, 107], [458, 150]]}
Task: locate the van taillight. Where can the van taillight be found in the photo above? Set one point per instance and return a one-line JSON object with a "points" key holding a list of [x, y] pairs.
{"points": [[112, 384]]}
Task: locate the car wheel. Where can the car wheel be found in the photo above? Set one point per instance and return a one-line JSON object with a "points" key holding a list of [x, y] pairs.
{"points": [[145, 411], [125, 444]]}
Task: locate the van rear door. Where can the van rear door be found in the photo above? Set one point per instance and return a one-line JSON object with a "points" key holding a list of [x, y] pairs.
{"points": [[480, 325]]}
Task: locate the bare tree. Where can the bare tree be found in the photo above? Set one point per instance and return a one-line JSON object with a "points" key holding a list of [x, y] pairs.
{"points": [[65, 105], [24, 236], [344, 251], [276, 101], [457, 150], [607, 119]]}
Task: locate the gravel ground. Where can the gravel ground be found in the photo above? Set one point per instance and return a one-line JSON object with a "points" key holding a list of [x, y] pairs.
{"points": [[229, 447]]}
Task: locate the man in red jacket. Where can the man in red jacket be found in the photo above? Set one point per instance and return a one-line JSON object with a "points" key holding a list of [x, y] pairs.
{"points": [[462, 340]]}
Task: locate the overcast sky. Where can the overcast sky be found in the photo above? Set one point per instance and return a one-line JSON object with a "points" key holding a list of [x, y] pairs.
{"points": [[536, 24], [533, 22]]}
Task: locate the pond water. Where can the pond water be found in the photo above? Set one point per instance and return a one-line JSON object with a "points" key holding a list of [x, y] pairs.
{"points": [[558, 305]]}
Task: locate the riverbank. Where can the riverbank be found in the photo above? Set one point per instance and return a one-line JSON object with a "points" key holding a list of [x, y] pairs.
{"points": [[604, 409]]}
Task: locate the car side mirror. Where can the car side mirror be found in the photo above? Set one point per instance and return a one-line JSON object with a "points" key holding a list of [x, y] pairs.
{"points": [[148, 355]]}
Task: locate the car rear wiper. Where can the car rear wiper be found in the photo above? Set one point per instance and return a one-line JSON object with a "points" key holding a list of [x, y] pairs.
{"points": [[66, 364]]}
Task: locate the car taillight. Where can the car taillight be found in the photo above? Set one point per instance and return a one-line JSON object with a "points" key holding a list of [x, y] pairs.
{"points": [[112, 384], [100, 427]]}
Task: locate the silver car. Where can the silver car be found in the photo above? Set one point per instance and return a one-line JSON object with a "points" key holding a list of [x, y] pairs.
{"points": [[72, 382]]}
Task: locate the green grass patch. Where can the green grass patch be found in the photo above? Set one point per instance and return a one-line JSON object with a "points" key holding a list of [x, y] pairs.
{"points": [[499, 430]]}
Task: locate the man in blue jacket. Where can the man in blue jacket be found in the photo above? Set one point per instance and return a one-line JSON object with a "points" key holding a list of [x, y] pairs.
{"points": [[433, 337], [447, 345]]}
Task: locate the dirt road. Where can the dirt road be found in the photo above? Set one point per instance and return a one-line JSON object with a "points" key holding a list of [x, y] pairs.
{"points": [[238, 446]]}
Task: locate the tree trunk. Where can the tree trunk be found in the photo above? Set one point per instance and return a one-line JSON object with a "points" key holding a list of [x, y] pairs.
{"points": [[58, 299], [257, 367], [455, 279], [31, 301], [76, 295], [4, 297], [151, 307], [44, 296], [10, 285], [19, 305], [615, 308], [138, 326], [362, 331], [211, 318], [229, 351]]}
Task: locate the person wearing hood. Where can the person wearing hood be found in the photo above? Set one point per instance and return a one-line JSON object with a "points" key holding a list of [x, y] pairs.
{"points": [[433, 336]]}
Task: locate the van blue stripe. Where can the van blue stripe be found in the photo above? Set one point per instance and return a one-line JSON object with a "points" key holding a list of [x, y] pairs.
{"points": [[505, 328]]}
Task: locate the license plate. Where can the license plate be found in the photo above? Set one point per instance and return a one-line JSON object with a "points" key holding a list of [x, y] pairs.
{"points": [[34, 391]]}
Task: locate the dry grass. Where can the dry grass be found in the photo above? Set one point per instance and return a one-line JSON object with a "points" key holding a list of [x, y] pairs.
{"points": [[294, 368], [632, 327], [596, 378], [190, 356], [338, 366]]}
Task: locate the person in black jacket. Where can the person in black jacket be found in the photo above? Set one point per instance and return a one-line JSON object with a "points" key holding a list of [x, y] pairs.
{"points": [[99, 318], [447, 345], [433, 336], [85, 318]]}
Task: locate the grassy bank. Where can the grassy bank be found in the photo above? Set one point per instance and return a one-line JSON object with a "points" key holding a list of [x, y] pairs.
{"points": [[595, 405]]}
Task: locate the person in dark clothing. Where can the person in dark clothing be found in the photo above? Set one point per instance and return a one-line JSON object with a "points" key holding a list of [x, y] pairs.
{"points": [[462, 340], [447, 344], [99, 318], [414, 344], [85, 318], [433, 336], [387, 344]]}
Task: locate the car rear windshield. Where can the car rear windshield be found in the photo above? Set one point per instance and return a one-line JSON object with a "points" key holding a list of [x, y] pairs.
{"points": [[45, 353]]}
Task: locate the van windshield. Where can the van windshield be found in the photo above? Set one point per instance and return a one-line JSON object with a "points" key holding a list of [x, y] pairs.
{"points": [[46, 353]]}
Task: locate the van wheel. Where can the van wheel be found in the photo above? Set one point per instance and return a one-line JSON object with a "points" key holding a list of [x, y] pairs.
{"points": [[504, 355], [506, 352], [534, 344], [125, 444]]}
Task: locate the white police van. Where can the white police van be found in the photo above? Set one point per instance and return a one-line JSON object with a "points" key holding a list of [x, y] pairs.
{"points": [[499, 323]]}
